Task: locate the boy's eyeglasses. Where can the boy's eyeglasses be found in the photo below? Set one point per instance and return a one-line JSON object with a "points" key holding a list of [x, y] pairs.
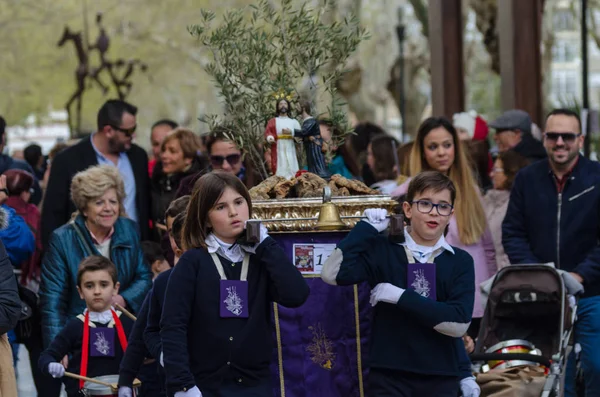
{"points": [[567, 137], [126, 131], [232, 159], [425, 207]]}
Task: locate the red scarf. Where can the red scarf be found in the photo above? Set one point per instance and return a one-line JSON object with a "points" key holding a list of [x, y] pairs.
{"points": [[85, 348]]}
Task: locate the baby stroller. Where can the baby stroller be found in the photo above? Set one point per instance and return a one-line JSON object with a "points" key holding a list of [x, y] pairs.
{"points": [[528, 321]]}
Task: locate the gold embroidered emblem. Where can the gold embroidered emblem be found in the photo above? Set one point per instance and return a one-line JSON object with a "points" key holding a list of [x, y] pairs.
{"points": [[321, 348]]}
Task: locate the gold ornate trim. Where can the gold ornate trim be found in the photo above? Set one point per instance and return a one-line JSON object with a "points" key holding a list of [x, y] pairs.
{"points": [[361, 388], [279, 349], [287, 211]]}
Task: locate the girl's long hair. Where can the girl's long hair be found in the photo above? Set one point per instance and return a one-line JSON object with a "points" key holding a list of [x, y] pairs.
{"points": [[207, 191], [468, 209]]}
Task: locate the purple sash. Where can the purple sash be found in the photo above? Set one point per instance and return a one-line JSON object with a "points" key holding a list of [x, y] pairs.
{"points": [[421, 279], [233, 299], [102, 342]]}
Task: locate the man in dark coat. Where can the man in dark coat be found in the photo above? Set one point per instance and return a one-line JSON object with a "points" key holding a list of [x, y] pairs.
{"points": [[513, 131], [111, 144]]}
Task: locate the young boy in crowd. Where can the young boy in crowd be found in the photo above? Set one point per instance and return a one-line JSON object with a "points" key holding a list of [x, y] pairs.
{"points": [[96, 339], [152, 332], [155, 258], [142, 345], [177, 206], [423, 293]]}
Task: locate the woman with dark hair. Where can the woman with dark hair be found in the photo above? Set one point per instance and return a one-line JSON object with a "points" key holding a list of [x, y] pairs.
{"points": [[358, 143], [381, 160], [19, 184], [496, 200]]}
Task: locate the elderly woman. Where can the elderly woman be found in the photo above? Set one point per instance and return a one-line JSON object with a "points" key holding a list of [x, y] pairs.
{"points": [[179, 158], [99, 227]]}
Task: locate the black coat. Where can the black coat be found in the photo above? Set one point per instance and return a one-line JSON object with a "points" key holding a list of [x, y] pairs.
{"points": [[165, 186], [10, 304], [58, 207]]}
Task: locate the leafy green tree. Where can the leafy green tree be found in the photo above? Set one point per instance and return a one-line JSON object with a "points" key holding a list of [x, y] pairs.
{"points": [[261, 51]]}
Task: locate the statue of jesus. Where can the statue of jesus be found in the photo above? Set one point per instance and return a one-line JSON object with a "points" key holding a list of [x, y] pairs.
{"points": [[280, 135]]}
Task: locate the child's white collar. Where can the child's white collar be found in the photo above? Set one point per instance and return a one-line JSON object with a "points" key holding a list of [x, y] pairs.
{"points": [[422, 252], [233, 252], [104, 317]]}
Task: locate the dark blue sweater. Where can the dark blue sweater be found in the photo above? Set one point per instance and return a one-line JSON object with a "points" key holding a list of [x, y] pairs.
{"points": [[69, 341], [155, 306], [404, 335], [543, 225], [201, 348], [136, 348]]}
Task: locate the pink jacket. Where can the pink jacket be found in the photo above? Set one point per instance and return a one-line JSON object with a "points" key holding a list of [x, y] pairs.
{"points": [[483, 253]]}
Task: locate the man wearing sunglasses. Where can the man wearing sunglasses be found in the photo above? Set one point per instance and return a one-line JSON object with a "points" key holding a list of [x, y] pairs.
{"points": [[554, 216], [513, 131], [111, 144]]}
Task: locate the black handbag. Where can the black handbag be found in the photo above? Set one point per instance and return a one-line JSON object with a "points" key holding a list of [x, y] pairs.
{"points": [[30, 316]]}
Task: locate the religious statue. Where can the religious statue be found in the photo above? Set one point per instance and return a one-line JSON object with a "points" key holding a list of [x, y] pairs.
{"points": [[280, 135], [313, 142]]}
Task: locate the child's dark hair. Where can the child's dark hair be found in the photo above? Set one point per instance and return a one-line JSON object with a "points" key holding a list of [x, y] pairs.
{"points": [[176, 207], [382, 148], [177, 227], [207, 191], [96, 263], [433, 180], [152, 252]]}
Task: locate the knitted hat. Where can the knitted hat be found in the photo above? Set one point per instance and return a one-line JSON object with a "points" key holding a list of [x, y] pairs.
{"points": [[481, 129], [465, 121]]}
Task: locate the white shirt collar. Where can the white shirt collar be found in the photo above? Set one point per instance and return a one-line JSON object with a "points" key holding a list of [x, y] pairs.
{"points": [[104, 317], [422, 252], [216, 245]]}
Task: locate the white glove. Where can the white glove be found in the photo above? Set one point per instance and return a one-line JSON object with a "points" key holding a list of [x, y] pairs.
{"points": [[385, 292], [56, 370], [469, 387], [160, 360], [377, 217], [125, 391], [193, 392], [264, 233], [270, 139]]}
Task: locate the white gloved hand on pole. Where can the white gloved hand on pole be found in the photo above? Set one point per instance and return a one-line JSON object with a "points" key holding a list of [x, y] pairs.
{"points": [[377, 217], [56, 370]]}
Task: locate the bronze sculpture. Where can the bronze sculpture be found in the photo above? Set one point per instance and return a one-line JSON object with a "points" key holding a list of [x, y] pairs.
{"points": [[120, 70]]}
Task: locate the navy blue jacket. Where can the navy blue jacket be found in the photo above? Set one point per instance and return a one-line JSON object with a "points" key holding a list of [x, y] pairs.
{"points": [[408, 336], [136, 348], [201, 348], [543, 225], [69, 342], [155, 306], [59, 299]]}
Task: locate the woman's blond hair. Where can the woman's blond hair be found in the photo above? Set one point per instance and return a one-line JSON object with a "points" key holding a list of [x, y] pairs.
{"points": [[189, 142], [92, 183], [470, 216]]}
